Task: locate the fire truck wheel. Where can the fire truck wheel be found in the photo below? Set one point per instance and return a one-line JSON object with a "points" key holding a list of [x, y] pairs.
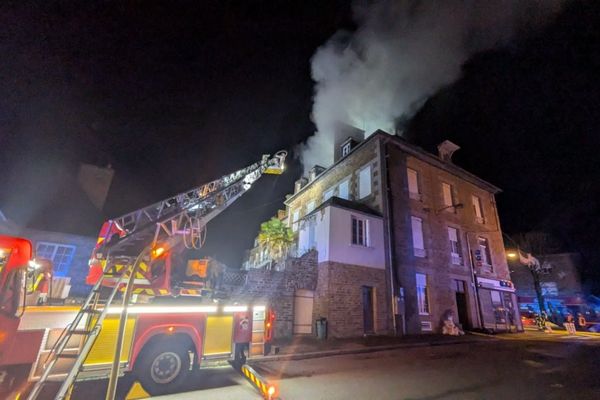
{"points": [[164, 366]]}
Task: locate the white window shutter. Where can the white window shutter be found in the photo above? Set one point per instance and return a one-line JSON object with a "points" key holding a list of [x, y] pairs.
{"points": [[477, 206], [452, 235], [417, 233], [343, 190], [447, 193], [413, 182], [364, 182]]}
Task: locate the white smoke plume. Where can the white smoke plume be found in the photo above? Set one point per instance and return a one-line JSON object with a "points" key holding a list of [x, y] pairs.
{"points": [[402, 53]]}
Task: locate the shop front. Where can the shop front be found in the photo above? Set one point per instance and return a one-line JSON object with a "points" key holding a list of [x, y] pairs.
{"points": [[499, 307]]}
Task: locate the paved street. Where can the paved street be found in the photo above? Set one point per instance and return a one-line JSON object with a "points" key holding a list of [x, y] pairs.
{"points": [[534, 365], [500, 370]]}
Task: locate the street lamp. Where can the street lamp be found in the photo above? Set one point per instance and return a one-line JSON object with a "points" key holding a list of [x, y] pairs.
{"points": [[512, 254]]}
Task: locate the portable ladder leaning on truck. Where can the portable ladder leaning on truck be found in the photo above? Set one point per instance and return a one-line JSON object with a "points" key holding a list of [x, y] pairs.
{"points": [[137, 254]]}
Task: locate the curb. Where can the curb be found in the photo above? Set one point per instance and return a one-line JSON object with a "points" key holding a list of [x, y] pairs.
{"points": [[340, 352]]}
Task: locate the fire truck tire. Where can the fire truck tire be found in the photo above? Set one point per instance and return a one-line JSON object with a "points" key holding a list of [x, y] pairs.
{"points": [[163, 366]]}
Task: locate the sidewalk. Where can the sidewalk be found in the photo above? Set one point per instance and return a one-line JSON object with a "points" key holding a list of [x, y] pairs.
{"points": [[303, 347]]}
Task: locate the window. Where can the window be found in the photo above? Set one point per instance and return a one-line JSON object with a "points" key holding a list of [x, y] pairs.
{"points": [[364, 182], [447, 195], [346, 149], [310, 206], [295, 217], [496, 299], [312, 242], [417, 236], [328, 194], [413, 184], [61, 255], [422, 294], [343, 190], [477, 209], [360, 235], [455, 247], [484, 249]]}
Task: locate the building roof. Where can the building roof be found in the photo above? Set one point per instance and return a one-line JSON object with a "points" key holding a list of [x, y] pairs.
{"points": [[346, 204], [412, 150]]}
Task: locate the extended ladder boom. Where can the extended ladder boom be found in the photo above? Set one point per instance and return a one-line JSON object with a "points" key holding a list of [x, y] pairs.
{"points": [[186, 213]]}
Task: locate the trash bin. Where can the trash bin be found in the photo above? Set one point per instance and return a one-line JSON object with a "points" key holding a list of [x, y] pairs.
{"points": [[321, 325]]}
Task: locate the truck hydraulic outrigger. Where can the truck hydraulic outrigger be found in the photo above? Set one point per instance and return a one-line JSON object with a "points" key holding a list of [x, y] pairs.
{"points": [[135, 254]]}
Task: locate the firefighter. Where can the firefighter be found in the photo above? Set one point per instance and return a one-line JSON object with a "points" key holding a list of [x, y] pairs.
{"points": [[581, 321]]}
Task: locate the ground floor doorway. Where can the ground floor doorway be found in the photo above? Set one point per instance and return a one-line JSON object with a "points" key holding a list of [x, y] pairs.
{"points": [[368, 310]]}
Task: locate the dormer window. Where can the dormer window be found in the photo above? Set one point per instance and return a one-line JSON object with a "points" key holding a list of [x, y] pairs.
{"points": [[346, 149]]}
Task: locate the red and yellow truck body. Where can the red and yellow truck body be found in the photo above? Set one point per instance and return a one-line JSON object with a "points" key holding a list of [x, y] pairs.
{"points": [[184, 331]]}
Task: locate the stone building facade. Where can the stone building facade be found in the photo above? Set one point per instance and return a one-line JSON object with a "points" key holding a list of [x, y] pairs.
{"points": [[403, 235], [278, 288]]}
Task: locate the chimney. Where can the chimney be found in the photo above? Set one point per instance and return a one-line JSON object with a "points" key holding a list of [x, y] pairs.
{"points": [[95, 182], [314, 172], [299, 184], [446, 149]]}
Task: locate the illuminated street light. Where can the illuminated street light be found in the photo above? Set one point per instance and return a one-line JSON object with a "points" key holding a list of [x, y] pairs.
{"points": [[512, 254]]}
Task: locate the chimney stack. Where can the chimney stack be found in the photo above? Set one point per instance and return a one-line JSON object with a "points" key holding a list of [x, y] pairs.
{"points": [[446, 149], [314, 172], [95, 182], [299, 184]]}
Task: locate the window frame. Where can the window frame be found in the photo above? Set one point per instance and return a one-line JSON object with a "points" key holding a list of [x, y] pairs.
{"points": [[359, 226], [346, 183], [330, 190], [418, 251], [368, 167], [451, 193], [423, 303], [478, 209], [310, 206], [346, 148], [455, 250], [59, 267], [485, 251], [295, 220], [413, 195]]}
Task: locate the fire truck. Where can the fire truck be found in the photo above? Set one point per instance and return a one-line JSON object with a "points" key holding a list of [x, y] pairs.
{"points": [[151, 312]]}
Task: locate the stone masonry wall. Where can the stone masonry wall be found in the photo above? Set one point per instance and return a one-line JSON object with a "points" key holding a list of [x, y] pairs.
{"points": [[437, 264], [347, 168], [277, 288], [339, 299]]}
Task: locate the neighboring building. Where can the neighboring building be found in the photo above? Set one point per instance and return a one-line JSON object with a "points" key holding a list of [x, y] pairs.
{"points": [[401, 235], [561, 287], [69, 253], [61, 223], [258, 256]]}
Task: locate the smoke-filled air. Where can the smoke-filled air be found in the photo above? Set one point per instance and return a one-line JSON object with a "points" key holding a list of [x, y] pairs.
{"points": [[402, 53]]}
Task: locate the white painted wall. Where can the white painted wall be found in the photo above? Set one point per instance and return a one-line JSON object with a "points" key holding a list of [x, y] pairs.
{"points": [[333, 234]]}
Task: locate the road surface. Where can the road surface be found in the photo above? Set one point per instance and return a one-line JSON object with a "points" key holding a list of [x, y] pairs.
{"points": [[542, 367]]}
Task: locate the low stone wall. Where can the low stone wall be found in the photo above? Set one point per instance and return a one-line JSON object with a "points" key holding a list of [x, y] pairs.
{"points": [[277, 287]]}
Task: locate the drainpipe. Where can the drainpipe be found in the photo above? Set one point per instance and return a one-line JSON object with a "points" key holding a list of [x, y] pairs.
{"points": [[386, 199]]}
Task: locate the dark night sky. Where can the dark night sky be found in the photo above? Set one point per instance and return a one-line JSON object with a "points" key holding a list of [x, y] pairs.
{"points": [[173, 94]]}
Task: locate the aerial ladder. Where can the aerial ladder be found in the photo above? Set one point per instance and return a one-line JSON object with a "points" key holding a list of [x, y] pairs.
{"points": [[122, 262]]}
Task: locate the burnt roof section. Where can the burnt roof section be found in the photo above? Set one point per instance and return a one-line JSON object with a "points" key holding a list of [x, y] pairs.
{"points": [[346, 204]]}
